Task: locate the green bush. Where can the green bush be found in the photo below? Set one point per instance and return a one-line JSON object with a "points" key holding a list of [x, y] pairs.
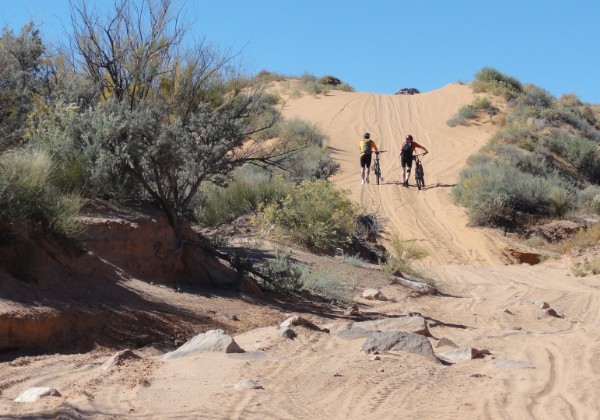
{"points": [[27, 192], [466, 113], [498, 195], [315, 214], [471, 111], [311, 160], [580, 152], [283, 274], [497, 83], [242, 196]]}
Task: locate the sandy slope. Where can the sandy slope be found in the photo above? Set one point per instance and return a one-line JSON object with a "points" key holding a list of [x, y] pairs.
{"points": [[429, 215], [541, 366]]}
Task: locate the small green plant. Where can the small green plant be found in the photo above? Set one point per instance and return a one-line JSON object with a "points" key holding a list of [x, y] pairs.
{"points": [[283, 274], [353, 260], [404, 253], [328, 285], [471, 111]]}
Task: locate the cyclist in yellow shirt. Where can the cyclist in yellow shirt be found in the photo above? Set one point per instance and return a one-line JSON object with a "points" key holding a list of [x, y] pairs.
{"points": [[366, 146]]}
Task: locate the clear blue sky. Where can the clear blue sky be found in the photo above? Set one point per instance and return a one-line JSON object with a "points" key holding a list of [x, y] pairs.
{"points": [[381, 46]]}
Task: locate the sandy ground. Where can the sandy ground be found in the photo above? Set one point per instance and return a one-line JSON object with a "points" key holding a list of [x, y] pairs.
{"points": [[541, 363]]}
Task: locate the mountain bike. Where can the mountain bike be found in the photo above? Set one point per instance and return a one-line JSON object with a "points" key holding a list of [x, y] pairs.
{"points": [[419, 172], [377, 168]]}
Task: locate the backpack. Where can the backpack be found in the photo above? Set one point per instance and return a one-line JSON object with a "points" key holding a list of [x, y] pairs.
{"points": [[365, 146], [407, 148]]}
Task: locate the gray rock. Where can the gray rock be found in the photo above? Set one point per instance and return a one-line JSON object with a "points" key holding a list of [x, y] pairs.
{"points": [[399, 341], [299, 321], [210, 341], [118, 358], [247, 384], [373, 294], [354, 330], [461, 353], [445, 342]]}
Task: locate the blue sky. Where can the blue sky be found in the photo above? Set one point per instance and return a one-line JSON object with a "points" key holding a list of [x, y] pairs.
{"points": [[381, 46]]}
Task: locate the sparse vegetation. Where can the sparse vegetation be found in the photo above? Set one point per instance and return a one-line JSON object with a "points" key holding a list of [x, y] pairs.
{"points": [[586, 267], [283, 274], [471, 111], [315, 214], [403, 254], [536, 164], [27, 192], [328, 285]]}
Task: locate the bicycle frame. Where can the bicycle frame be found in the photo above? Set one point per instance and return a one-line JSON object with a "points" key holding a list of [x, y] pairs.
{"points": [[377, 168], [419, 172]]}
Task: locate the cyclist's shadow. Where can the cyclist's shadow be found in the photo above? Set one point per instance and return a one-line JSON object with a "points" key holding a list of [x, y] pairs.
{"points": [[414, 185]]}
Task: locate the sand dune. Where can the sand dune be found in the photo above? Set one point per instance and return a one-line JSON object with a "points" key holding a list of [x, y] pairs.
{"points": [[542, 364], [428, 216]]}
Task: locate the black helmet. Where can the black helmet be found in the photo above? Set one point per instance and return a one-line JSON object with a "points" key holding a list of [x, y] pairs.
{"points": [[367, 136], [409, 138]]}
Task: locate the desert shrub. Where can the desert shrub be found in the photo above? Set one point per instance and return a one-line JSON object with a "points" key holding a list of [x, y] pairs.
{"points": [[314, 214], [369, 226], [327, 284], [28, 192], [330, 80], [466, 113], [282, 274], [299, 132], [497, 83], [579, 151], [583, 239], [571, 102], [471, 111], [495, 194], [535, 163], [403, 254], [345, 87], [589, 197], [514, 134], [586, 267], [265, 76], [311, 160], [533, 96], [241, 196], [353, 260]]}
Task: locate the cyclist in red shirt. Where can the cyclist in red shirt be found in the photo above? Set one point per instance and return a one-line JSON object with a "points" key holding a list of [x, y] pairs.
{"points": [[406, 157]]}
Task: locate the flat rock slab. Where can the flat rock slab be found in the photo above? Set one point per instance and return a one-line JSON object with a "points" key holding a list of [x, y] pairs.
{"points": [[210, 341], [399, 341], [354, 330]]}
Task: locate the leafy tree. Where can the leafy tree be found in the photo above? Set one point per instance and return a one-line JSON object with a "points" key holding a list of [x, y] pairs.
{"points": [[21, 74], [170, 120]]}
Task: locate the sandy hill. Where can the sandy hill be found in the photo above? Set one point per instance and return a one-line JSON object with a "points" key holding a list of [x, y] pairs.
{"points": [[427, 216], [525, 337]]}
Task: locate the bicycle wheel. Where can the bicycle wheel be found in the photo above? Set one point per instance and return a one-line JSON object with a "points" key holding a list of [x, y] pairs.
{"points": [[377, 173], [419, 177]]}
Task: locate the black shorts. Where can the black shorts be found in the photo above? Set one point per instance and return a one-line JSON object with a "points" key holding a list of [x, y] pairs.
{"points": [[365, 160], [406, 160]]}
